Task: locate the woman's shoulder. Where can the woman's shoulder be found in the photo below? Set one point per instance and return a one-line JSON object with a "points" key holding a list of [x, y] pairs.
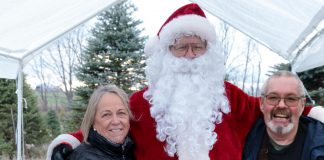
{"points": [[85, 152]]}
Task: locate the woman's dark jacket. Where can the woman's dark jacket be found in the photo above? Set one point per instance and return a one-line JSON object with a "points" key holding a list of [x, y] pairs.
{"points": [[99, 148], [313, 146]]}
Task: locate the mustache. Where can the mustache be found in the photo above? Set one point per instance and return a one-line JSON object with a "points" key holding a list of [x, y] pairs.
{"points": [[281, 111]]}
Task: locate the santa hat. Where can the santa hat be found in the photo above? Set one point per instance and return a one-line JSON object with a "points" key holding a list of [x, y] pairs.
{"points": [[188, 19]]}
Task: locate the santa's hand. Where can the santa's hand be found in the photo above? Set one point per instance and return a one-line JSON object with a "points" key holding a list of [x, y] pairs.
{"points": [[63, 145], [317, 113], [61, 152]]}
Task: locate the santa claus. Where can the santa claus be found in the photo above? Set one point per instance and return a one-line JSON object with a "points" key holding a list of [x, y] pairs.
{"points": [[187, 112]]}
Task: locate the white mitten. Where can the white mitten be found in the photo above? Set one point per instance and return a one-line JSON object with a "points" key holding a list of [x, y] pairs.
{"points": [[317, 113], [62, 139]]}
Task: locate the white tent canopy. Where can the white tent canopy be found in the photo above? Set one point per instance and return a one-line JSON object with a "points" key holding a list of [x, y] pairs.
{"points": [[291, 28], [28, 26]]}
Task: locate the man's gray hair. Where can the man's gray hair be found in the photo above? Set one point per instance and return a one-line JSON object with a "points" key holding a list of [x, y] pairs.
{"points": [[283, 73]]}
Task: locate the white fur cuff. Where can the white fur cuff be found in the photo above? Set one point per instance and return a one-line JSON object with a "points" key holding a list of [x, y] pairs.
{"points": [[63, 138], [317, 113]]}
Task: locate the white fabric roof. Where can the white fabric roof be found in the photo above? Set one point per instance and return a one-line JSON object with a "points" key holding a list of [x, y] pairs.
{"points": [[27, 26], [284, 26]]}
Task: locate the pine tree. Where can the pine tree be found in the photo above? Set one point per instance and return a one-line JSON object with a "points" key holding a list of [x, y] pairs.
{"points": [[53, 124], [8, 116], [314, 82], [114, 54], [4, 146], [279, 67], [34, 130]]}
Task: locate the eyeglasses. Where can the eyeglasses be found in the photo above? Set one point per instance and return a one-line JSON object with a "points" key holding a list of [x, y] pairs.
{"points": [[291, 101], [182, 49]]}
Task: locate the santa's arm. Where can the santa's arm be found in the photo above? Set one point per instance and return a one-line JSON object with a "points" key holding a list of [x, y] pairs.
{"points": [[63, 145]]}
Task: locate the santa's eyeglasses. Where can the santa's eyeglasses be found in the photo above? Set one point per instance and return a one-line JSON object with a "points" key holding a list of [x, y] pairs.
{"points": [[291, 101], [182, 49]]}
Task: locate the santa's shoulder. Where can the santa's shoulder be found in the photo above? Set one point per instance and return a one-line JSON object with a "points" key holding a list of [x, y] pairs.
{"points": [[137, 100], [138, 95], [230, 86], [232, 89]]}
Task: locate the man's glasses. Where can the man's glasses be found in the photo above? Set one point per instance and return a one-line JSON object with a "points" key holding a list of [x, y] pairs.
{"points": [[182, 49], [291, 101]]}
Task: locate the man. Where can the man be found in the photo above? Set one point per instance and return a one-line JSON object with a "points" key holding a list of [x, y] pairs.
{"points": [[187, 112], [283, 133]]}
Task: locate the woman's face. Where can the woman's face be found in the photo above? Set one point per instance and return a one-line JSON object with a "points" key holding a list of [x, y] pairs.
{"points": [[112, 118]]}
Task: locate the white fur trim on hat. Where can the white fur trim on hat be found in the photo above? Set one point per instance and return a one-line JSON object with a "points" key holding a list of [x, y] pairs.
{"points": [[187, 24], [317, 113], [62, 139]]}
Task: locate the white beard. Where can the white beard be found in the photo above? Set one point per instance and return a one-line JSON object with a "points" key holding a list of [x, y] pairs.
{"points": [[279, 129], [187, 100]]}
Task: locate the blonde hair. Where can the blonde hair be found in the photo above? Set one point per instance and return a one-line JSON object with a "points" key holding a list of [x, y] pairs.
{"points": [[90, 113]]}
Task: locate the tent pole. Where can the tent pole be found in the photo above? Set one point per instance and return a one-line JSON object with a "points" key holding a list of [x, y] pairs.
{"points": [[19, 110]]}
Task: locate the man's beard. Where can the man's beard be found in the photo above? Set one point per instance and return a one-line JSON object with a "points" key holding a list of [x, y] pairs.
{"points": [[187, 98], [280, 129]]}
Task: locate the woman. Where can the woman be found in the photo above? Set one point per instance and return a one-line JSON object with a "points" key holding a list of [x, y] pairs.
{"points": [[105, 127]]}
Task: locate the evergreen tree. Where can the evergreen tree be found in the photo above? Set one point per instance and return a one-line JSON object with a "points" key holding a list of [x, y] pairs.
{"points": [[8, 116], [34, 131], [279, 67], [114, 54], [314, 82], [4, 146], [53, 124]]}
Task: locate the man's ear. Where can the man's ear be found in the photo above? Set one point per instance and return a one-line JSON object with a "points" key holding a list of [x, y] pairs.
{"points": [[303, 103]]}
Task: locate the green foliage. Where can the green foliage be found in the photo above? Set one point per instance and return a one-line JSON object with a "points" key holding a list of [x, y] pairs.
{"points": [[279, 67], [7, 146], [53, 124], [8, 101], [314, 82], [34, 129], [114, 54], [34, 123], [72, 122], [4, 146]]}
